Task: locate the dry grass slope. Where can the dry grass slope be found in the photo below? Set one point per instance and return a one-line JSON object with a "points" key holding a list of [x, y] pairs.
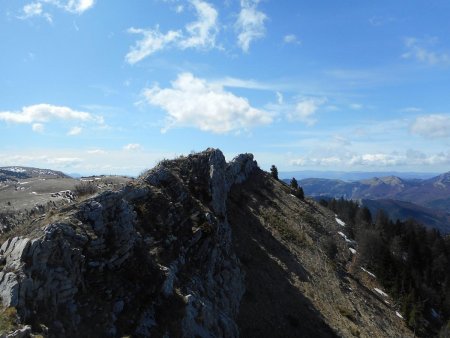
{"points": [[294, 288]]}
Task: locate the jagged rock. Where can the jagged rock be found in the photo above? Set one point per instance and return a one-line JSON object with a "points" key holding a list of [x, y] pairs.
{"points": [[161, 242]]}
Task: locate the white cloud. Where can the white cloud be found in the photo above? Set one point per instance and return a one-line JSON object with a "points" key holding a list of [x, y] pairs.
{"points": [[245, 83], [194, 102], [43, 112], [132, 146], [34, 9], [202, 33], [64, 161], [291, 38], [199, 34], [378, 159], [72, 6], [74, 131], [97, 152], [356, 106], [422, 50], [38, 127], [432, 126], [280, 99], [410, 110], [152, 41], [250, 24], [305, 110], [79, 6]]}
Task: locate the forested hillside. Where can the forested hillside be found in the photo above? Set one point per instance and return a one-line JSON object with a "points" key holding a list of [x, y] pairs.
{"points": [[411, 262]]}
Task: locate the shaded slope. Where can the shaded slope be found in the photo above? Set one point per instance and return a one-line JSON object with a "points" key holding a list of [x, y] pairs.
{"points": [[293, 289], [271, 306]]}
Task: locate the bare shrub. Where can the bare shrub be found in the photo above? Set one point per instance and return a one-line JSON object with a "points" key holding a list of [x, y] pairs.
{"points": [[85, 188]]}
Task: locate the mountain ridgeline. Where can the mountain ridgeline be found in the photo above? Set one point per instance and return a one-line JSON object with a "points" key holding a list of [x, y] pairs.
{"points": [[13, 173], [427, 201], [197, 247]]}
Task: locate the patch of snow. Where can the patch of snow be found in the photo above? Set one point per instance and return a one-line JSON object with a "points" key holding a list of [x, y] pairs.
{"points": [[384, 294], [292, 195], [16, 169], [399, 315], [368, 272], [340, 222], [353, 251], [22, 183], [345, 237], [34, 193]]}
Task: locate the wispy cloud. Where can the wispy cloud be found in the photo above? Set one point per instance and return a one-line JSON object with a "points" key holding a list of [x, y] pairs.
{"points": [[280, 98], [432, 126], [292, 39], [379, 160], [356, 106], [97, 152], [38, 127], [234, 82], [72, 6], [45, 112], [132, 147], [39, 114], [410, 110], [152, 41], [34, 9], [250, 24], [424, 51], [196, 103], [74, 131], [200, 34], [305, 109], [79, 6]]}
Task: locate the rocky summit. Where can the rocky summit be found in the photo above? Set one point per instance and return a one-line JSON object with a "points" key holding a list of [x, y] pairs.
{"points": [[195, 247]]}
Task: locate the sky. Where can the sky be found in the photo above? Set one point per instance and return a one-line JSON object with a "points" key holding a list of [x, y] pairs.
{"points": [[113, 87]]}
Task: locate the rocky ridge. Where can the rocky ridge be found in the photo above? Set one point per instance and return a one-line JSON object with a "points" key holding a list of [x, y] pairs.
{"points": [[154, 258]]}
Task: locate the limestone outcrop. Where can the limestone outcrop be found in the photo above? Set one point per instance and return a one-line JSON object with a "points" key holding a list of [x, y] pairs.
{"points": [[152, 259]]}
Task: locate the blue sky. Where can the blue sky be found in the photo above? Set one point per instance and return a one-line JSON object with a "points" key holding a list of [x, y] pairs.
{"points": [[96, 86]]}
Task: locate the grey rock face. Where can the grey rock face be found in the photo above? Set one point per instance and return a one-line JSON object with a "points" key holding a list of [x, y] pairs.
{"points": [[119, 261]]}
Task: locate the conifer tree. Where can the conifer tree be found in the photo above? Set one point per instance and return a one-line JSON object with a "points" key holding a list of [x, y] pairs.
{"points": [[274, 171]]}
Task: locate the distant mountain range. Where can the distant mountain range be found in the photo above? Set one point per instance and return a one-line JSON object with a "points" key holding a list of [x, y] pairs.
{"points": [[426, 200], [14, 172], [354, 175]]}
